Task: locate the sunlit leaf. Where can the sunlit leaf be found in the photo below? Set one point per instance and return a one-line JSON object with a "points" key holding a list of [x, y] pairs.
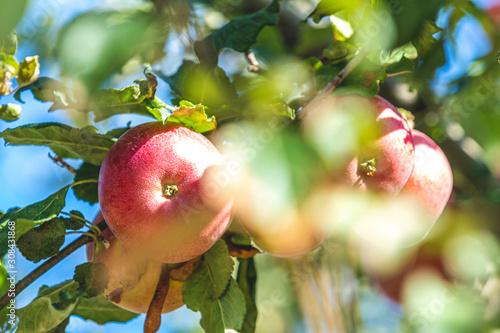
{"points": [[10, 112], [239, 34], [64, 140]]}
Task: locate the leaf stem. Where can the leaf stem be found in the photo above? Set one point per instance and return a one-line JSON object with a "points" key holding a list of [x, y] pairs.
{"points": [[85, 181], [351, 65], [40, 270], [85, 222]]}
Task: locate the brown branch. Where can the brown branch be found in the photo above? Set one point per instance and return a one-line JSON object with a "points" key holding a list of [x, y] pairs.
{"points": [[351, 65], [153, 317], [40, 270], [60, 162]]}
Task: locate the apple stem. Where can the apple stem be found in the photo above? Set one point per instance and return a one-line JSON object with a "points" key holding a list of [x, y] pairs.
{"points": [[153, 316], [169, 190], [369, 167]]}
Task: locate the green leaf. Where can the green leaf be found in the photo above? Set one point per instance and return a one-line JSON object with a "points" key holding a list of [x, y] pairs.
{"points": [[23, 225], [403, 66], [102, 311], [193, 117], [4, 288], [330, 7], [247, 280], [45, 312], [10, 112], [53, 292], [239, 34], [71, 223], [46, 89], [225, 312], [88, 191], [11, 13], [92, 277], [43, 241], [8, 68], [200, 85], [114, 38], [108, 102], [117, 132], [425, 41], [211, 279], [28, 71], [64, 140], [8, 44], [61, 328], [409, 16], [38, 212]]}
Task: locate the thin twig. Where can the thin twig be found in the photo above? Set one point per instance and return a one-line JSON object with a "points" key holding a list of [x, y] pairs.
{"points": [[37, 272], [334, 84], [60, 162]]}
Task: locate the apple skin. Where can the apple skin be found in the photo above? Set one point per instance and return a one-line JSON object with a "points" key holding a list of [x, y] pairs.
{"points": [[431, 181], [392, 286], [132, 278], [132, 181], [394, 150], [389, 143]]}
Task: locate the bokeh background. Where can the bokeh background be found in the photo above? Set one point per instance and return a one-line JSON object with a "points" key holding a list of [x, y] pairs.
{"points": [[27, 174]]}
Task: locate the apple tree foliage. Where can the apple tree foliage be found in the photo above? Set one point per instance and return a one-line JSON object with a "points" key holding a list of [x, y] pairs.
{"points": [[284, 52]]}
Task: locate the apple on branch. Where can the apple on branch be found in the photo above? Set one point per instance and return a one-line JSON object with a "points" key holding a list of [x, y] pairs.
{"points": [[150, 195]]}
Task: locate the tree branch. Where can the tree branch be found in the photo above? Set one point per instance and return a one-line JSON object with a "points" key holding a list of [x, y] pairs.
{"points": [[334, 84], [40, 270]]}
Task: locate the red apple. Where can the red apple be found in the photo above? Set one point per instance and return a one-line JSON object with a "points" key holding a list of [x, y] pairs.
{"points": [[370, 135], [150, 194], [132, 278], [431, 182]]}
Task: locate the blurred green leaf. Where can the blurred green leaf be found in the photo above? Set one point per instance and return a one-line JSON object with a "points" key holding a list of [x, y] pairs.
{"points": [[201, 85], [108, 102], [4, 288], [8, 45], [102, 311], [404, 65], [8, 68], [38, 212], [424, 41], [64, 140], [87, 192], [92, 277], [409, 17], [193, 117], [330, 7], [11, 13], [96, 44], [28, 71], [239, 34], [247, 279], [45, 311], [43, 241], [10, 112], [46, 89]]}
